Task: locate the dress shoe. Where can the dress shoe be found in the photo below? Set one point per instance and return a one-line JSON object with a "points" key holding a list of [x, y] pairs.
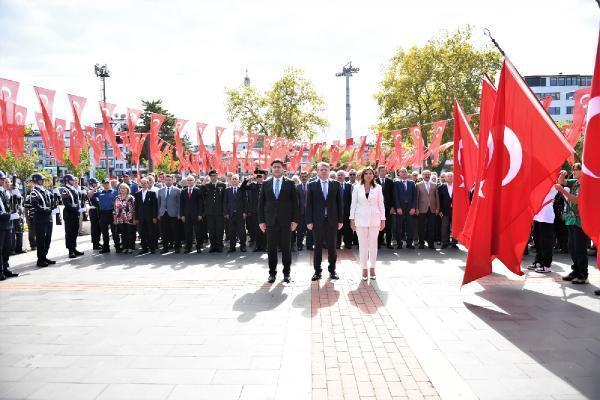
{"points": [[231, 250], [421, 246], [198, 250], [286, 279], [410, 246], [219, 250], [119, 250], [333, 276], [576, 281], [271, 279], [72, 255], [389, 246], [164, 251], [597, 292], [444, 246], [454, 246], [256, 250], [399, 247], [10, 274], [78, 253], [315, 277], [243, 249], [143, 251], [309, 247], [211, 250], [49, 262], [153, 251], [2, 277], [97, 247], [42, 264], [177, 251], [187, 251], [104, 251]]}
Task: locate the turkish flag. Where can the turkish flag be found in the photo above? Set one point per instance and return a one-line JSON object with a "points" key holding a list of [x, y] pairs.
{"points": [[582, 97], [46, 100], [589, 190], [397, 138], [41, 123], [96, 140], [156, 121], [378, 146], [218, 132], [527, 149], [107, 110], [8, 97], [466, 154], [60, 126], [417, 137], [546, 101], [361, 148], [179, 125], [438, 134], [16, 125], [74, 144], [486, 113]]}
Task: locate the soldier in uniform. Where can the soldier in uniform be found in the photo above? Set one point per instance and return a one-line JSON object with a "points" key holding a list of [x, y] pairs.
{"points": [[212, 195], [73, 207], [253, 190], [41, 208], [6, 218], [18, 223], [94, 213]]}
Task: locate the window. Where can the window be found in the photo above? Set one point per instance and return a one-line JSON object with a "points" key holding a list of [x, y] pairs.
{"points": [[561, 81], [535, 81], [554, 110], [553, 81], [554, 95], [570, 81], [569, 109], [570, 95]]}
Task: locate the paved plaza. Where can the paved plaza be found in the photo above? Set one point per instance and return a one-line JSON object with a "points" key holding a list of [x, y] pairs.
{"points": [[208, 326]]}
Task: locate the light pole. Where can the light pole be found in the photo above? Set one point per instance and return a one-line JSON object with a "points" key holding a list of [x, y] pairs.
{"points": [[102, 72], [348, 70]]}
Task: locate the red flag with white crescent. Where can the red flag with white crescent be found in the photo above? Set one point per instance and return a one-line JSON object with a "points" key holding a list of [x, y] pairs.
{"points": [[546, 102], [218, 132], [77, 105], [107, 110], [361, 148], [418, 145], [397, 139], [438, 134], [41, 123], [60, 127], [589, 191], [378, 146], [179, 125], [96, 140], [46, 100], [486, 113], [17, 116], [74, 147], [8, 95], [156, 121], [527, 150]]}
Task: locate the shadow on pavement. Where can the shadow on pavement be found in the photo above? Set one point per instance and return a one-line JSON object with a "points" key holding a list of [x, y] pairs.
{"points": [[266, 298]]}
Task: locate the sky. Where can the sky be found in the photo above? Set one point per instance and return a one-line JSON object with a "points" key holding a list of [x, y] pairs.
{"points": [[187, 53]]}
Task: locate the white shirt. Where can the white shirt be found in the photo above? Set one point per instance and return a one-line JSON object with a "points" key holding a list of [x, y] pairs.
{"points": [[450, 189], [427, 186], [144, 195], [546, 214], [277, 182]]}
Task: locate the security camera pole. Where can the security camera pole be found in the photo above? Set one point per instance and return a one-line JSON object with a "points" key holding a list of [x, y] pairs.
{"points": [[348, 70], [102, 72]]}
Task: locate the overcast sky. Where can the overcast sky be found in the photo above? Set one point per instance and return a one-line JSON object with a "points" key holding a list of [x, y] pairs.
{"points": [[188, 52]]}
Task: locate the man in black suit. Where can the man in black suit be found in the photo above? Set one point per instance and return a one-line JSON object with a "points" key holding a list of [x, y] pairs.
{"points": [[278, 217], [191, 208], [445, 192], [302, 232], [324, 217], [405, 201], [146, 214], [346, 231], [252, 189], [212, 196], [387, 188], [234, 208]]}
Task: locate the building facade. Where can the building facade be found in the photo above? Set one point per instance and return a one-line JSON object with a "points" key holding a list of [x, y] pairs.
{"points": [[562, 89]]}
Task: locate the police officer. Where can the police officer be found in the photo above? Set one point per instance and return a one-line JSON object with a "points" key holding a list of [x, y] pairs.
{"points": [[94, 213], [106, 200], [6, 218], [253, 190], [41, 209], [212, 195], [70, 199], [18, 223]]}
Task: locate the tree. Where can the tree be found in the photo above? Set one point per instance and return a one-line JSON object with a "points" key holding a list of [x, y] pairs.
{"points": [[84, 163], [166, 132], [292, 107], [22, 167], [420, 84], [165, 165]]}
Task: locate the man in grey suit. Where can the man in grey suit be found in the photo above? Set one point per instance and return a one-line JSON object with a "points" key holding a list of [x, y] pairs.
{"points": [[168, 214], [428, 207]]}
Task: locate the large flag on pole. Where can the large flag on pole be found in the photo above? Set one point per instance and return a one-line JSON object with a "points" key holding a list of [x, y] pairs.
{"points": [[465, 168], [436, 142], [527, 149], [106, 109], [589, 192]]}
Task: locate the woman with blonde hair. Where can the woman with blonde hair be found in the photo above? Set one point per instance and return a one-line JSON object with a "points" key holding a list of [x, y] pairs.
{"points": [[367, 218], [124, 212]]}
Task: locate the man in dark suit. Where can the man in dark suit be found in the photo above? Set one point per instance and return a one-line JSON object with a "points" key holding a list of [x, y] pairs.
{"points": [[278, 217], [405, 201], [146, 214], [191, 214], [324, 217], [387, 188], [252, 189], [71, 211], [346, 231], [235, 214], [212, 196], [302, 232], [445, 192]]}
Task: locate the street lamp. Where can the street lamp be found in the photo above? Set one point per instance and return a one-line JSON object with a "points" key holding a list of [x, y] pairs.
{"points": [[348, 70], [102, 72]]}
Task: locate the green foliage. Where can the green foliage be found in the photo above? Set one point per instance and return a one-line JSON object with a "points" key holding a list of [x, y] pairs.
{"points": [[23, 167], [165, 165], [84, 163], [100, 174], [420, 84], [292, 107]]}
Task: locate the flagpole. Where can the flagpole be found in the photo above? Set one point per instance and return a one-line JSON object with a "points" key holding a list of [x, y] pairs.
{"points": [[487, 33]]}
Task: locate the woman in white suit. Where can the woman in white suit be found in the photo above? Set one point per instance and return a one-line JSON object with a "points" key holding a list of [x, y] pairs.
{"points": [[367, 218]]}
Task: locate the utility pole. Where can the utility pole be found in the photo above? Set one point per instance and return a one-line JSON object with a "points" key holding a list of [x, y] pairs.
{"points": [[102, 72], [348, 70]]}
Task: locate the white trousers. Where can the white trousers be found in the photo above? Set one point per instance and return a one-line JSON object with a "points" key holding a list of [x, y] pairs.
{"points": [[367, 245]]}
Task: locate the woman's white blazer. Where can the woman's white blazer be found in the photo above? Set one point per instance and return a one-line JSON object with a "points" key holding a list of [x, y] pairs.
{"points": [[367, 211]]}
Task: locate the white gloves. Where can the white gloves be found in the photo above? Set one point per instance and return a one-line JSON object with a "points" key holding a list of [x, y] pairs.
{"points": [[16, 192], [14, 216], [55, 191], [55, 211], [82, 210]]}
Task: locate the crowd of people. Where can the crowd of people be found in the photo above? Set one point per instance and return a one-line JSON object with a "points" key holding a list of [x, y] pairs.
{"points": [[371, 209]]}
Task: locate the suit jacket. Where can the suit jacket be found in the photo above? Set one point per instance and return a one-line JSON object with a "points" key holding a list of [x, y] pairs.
{"points": [[280, 211], [171, 204], [302, 197], [190, 206], [367, 211], [234, 203], [405, 197], [316, 204], [5, 223], [427, 201], [388, 192], [445, 200], [346, 198], [147, 209]]}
